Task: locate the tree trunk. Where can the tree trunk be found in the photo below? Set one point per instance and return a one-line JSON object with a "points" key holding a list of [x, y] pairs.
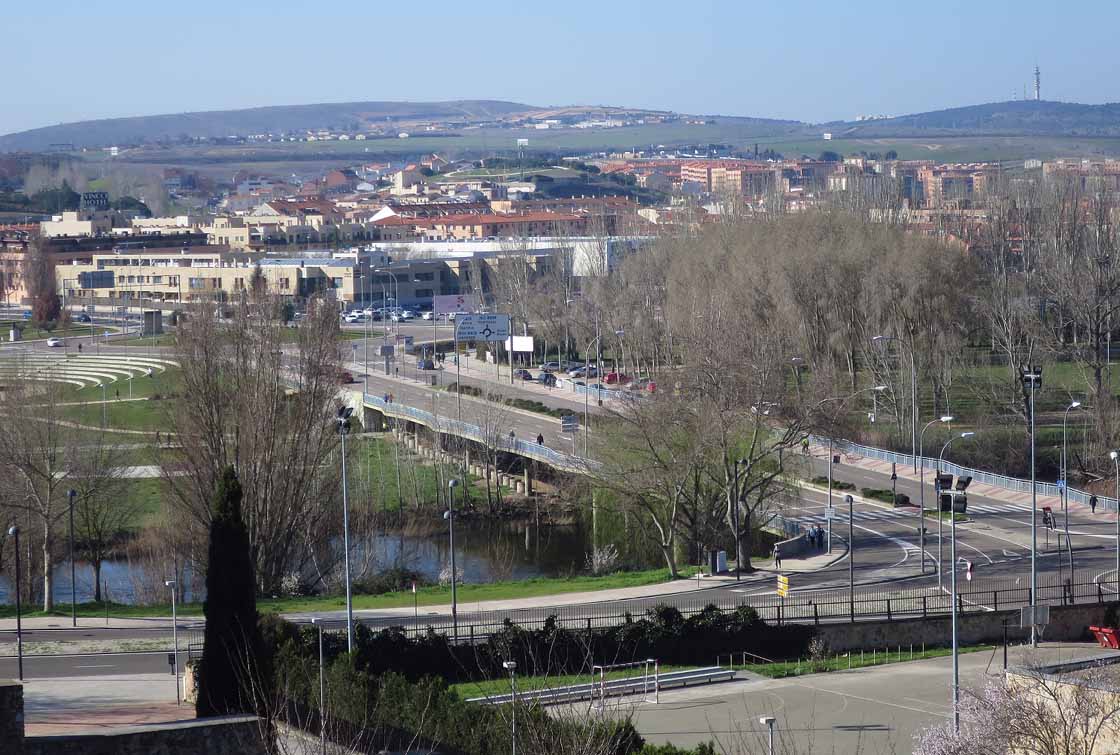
{"points": [[48, 567], [97, 580], [743, 556], [670, 557]]}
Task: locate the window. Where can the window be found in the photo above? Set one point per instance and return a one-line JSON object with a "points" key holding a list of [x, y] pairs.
{"points": [[423, 293], [157, 279], [336, 282], [195, 283], [425, 276]]}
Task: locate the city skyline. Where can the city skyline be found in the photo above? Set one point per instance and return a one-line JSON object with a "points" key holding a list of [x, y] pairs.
{"points": [[715, 59]]}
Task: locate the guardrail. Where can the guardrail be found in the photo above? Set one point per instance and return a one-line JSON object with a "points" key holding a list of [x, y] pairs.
{"points": [[988, 478], [447, 425], [614, 687]]}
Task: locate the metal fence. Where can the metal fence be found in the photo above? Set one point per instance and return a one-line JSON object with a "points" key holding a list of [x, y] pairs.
{"points": [[801, 607], [447, 425], [988, 478]]}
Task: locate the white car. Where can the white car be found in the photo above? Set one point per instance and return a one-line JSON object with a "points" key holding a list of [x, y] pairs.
{"points": [[53, 342], [426, 315]]}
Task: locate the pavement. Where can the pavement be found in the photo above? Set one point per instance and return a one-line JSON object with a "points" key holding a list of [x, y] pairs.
{"points": [[866, 711], [66, 705]]}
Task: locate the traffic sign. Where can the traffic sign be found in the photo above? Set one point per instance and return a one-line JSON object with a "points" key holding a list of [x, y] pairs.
{"points": [[457, 303], [783, 585], [482, 327], [569, 423], [829, 512]]}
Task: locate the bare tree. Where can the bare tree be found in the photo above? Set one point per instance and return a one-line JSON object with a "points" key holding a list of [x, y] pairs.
{"points": [[249, 400]]}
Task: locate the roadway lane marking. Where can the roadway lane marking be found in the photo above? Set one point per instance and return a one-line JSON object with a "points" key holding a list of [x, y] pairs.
{"points": [[100, 665]]}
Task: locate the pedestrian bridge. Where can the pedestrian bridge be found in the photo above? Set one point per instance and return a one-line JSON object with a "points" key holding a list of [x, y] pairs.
{"points": [[449, 426]]}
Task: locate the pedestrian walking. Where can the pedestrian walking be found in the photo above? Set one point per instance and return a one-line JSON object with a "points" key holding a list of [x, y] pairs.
{"points": [[777, 557], [805, 445], [540, 439]]}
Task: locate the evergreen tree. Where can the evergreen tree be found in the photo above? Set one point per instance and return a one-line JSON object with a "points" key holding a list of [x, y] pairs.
{"points": [[230, 678]]}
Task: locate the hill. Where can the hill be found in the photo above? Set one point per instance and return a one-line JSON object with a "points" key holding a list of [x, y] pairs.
{"points": [[220, 123], [1014, 118]]}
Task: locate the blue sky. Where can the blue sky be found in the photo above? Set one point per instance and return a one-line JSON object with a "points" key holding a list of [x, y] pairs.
{"points": [[806, 60]]}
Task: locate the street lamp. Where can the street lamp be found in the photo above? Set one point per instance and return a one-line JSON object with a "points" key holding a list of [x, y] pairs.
{"points": [[922, 499], [1065, 489], [768, 722], [953, 589], [104, 400], [13, 531], [851, 558], [1032, 380], [913, 393], [343, 420], [175, 638], [511, 667], [587, 392], [1115, 456], [71, 495], [876, 389], [317, 622], [449, 515]]}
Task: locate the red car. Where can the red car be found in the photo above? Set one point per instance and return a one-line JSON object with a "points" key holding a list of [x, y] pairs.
{"points": [[616, 378]]}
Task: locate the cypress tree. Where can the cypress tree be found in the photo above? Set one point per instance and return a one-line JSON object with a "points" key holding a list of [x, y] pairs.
{"points": [[230, 676]]}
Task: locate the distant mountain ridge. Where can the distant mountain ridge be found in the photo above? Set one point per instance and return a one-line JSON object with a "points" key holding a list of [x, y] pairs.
{"points": [[1012, 118], [274, 119]]}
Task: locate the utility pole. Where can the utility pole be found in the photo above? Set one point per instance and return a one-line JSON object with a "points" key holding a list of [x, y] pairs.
{"points": [[1032, 380]]}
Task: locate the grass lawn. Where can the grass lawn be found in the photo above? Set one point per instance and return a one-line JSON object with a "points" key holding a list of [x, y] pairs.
{"points": [[145, 496], [426, 596], [487, 687], [162, 382], [144, 415], [31, 333], [856, 659], [167, 339]]}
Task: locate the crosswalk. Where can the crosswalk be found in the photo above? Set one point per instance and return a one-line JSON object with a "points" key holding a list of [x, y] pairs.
{"points": [[903, 514]]}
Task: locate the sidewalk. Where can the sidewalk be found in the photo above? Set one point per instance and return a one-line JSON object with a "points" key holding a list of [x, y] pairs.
{"points": [[65, 705], [905, 472]]}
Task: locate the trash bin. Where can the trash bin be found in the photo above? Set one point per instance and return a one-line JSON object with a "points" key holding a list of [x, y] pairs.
{"points": [[713, 562]]}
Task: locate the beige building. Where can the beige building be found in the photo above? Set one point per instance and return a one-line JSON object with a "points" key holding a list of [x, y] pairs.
{"points": [[192, 276], [76, 224]]}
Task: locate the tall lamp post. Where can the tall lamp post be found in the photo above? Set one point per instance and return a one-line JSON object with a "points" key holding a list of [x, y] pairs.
{"points": [[922, 499], [449, 515], [13, 531], [1032, 380], [1065, 488], [511, 667], [318, 622], [1115, 456], [913, 393], [71, 495], [343, 420], [587, 393], [851, 558], [174, 639], [875, 389], [953, 582]]}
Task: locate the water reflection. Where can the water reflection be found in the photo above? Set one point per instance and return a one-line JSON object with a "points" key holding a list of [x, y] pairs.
{"points": [[486, 551]]}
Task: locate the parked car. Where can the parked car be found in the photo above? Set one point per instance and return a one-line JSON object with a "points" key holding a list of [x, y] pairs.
{"points": [[523, 374], [546, 378], [345, 376], [425, 364], [354, 317], [427, 315], [550, 367], [55, 342], [643, 384], [616, 378], [83, 318], [584, 371]]}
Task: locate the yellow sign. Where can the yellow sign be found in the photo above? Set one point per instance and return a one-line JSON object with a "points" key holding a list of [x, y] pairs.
{"points": [[783, 585]]}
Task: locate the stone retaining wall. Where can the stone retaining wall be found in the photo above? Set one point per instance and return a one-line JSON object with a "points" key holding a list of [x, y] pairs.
{"points": [[973, 628]]}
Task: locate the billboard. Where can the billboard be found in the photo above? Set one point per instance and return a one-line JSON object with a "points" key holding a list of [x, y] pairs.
{"points": [[520, 344], [457, 303], [482, 327], [96, 279]]}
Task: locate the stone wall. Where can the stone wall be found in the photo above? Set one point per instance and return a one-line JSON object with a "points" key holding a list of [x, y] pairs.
{"points": [[973, 628], [11, 716], [227, 735]]}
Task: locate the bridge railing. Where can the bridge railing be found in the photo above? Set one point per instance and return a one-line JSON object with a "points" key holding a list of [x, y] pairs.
{"points": [[450, 426], [1006, 482]]}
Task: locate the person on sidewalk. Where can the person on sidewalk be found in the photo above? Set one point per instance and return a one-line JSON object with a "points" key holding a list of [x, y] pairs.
{"points": [[777, 557], [805, 445], [540, 439]]}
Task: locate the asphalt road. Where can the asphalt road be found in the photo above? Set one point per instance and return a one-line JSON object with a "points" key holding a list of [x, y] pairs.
{"points": [[95, 664]]}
